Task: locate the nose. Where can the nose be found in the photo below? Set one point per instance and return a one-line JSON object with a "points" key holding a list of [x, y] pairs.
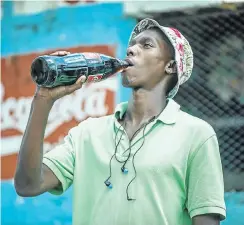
{"points": [[131, 51]]}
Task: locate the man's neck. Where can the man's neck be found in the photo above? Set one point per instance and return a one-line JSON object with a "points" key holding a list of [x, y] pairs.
{"points": [[144, 105]]}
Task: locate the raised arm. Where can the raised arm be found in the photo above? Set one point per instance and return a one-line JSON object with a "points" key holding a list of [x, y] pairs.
{"points": [[32, 177]]}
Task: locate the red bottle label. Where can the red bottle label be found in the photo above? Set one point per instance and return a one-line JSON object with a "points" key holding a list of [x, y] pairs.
{"points": [[94, 78]]}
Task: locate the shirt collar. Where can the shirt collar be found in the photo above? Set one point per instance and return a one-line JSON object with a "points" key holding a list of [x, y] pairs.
{"points": [[167, 116], [120, 110]]}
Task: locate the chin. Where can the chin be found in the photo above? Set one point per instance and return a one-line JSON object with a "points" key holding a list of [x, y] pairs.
{"points": [[127, 85], [126, 81], [130, 84], [131, 80]]}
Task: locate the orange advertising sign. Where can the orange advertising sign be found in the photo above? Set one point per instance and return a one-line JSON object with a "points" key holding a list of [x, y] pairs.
{"points": [[17, 90]]}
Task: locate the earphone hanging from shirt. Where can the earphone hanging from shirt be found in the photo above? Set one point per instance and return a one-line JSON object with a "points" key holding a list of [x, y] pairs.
{"points": [[123, 168]]}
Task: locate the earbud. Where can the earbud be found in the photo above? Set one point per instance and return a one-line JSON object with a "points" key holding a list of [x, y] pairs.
{"points": [[124, 170], [108, 184]]}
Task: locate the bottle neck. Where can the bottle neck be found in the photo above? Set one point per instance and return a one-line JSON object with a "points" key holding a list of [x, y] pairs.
{"points": [[124, 64]]}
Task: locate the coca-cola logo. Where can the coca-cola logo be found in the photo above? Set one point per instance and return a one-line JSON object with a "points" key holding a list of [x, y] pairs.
{"points": [[94, 78]]}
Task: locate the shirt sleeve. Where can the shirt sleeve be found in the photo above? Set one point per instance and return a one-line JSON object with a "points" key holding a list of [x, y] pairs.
{"points": [[61, 160], [205, 180]]}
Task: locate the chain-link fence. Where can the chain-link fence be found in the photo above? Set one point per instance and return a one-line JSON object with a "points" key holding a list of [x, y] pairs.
{"points": [[215, 92]]}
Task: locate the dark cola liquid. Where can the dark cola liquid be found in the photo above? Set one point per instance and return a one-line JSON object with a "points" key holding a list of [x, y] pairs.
{"points": [[52, 71]]}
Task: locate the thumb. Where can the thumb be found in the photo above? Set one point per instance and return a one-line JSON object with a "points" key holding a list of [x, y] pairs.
{"points": [[81, 80], [78, 84]]}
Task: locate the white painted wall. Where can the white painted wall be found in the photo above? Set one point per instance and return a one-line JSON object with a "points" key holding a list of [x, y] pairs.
{"points": [[135, 7]]}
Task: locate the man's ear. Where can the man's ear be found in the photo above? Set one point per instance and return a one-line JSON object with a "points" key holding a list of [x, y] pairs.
{"points": [[170, 67]]}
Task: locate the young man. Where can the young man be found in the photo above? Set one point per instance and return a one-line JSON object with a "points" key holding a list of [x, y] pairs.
{"points": [[148, 163]]}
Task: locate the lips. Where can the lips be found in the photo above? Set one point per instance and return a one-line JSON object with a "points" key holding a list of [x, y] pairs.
{"points": [[129, 61]]}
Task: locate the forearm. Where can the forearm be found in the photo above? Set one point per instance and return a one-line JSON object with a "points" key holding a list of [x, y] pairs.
{"points": [[29, 167]]}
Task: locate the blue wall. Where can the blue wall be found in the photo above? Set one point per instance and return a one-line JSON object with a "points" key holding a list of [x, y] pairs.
{"points": [[81, 25]]}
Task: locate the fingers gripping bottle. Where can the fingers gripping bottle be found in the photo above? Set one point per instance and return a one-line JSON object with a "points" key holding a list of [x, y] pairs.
{"points": [[52, 71]]}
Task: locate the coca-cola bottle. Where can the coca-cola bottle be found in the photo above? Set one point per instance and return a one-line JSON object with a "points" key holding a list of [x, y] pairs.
{"points": [[51, 71]]}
